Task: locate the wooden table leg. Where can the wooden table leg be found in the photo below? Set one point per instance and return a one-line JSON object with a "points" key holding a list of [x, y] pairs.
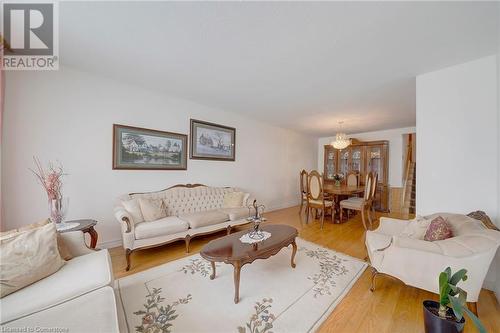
{"points": [[294, 251], [93, 237], [338, 198], [213, 270], [237, 269]]}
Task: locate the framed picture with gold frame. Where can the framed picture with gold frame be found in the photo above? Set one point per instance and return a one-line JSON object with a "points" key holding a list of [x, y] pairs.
{"points": [[136, 148], [211, 141]]}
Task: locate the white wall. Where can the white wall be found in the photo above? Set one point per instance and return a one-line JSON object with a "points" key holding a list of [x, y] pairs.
{"points": [[395, 138], [68, 115], [497, 258], [457, 143]]}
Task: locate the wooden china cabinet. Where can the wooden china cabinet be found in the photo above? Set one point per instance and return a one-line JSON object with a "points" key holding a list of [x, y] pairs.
{"points": [[361, 157]]}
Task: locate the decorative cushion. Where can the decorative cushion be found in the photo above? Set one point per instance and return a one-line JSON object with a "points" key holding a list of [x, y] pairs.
{"points": [[416, 229], [201, 219], [460, 224], [152, 209], [233, 199], [165, 226], [77, 277], [133, 207], [439, 229], [235, 213], [28, 256], [63, 249]]}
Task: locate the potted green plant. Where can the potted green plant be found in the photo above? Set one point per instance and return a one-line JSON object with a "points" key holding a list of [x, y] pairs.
{"points": [[447, 314]]}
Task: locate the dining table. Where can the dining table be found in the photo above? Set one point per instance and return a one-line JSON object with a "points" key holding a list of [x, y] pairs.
{"points": [[338, 193]]}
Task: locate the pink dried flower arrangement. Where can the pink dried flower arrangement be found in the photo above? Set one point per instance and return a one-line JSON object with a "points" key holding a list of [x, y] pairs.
{"points": [[50, 179]]}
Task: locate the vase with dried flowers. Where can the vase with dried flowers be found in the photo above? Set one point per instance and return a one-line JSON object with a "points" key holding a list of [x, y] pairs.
{"points": [[51, 181], [338, 177]]}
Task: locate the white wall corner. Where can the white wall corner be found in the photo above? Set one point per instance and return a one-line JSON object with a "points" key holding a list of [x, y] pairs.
{"points": [[445, 99], [497, 258]]}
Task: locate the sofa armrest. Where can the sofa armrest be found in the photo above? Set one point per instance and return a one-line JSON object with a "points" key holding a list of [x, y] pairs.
{"points": [[390, 226], [75, 243], [125, 219]]}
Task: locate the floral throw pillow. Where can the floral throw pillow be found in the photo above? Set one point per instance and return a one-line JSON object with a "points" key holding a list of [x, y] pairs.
{"points": [[439, 229]]}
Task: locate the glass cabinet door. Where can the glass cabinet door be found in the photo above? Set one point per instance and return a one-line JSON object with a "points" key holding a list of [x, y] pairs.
{"points": [[330, 166], [344, 161], [375, 163], [356, 159]]}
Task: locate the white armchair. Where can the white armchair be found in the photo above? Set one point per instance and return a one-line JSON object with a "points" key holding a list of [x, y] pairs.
{"points": [[395, 249]]}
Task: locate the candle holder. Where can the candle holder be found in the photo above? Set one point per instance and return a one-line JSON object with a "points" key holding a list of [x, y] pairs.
{"points": [[256, 219]]}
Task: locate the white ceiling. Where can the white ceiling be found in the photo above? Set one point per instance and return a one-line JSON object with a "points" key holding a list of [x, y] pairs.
{"points": [[299, 65]]}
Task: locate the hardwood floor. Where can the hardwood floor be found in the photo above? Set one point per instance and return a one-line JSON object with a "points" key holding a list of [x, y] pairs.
{"points": [[393, 307]]}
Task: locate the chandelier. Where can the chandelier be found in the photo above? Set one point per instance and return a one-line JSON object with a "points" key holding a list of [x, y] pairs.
{"points": [[341, 140]]}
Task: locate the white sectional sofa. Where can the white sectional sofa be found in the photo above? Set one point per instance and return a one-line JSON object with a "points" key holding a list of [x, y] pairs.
{"points": [[77, 298], [192, 210]]}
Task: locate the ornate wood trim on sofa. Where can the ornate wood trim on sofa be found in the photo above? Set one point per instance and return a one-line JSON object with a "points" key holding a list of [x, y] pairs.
{"points": [[129, 225], [168, 188], [481, 216]]}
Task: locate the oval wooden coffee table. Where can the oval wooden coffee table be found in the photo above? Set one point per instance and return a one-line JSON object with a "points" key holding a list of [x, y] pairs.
{"points": [[230, 250]]}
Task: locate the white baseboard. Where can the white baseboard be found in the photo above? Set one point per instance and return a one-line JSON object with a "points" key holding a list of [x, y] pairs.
{"points": [[282, 206]]}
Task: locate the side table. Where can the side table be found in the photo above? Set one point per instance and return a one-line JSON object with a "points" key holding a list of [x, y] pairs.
{"points": [[86, 226]]}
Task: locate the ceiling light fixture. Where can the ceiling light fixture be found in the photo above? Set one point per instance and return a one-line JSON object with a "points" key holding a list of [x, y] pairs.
{"points": [[341, 140]]}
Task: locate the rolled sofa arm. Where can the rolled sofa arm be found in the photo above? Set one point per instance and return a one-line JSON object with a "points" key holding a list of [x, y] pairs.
{"points": [[74, 241], [125, 219]]}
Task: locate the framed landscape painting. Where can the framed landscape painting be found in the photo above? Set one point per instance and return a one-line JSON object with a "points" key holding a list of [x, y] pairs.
{"points": [[147, 149], [212, 141]]}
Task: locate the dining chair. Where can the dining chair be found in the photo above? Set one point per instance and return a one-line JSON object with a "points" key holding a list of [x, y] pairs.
{"points": [[352, 178], [303, 189], [316, 197], [363, 204], [374, 191]]}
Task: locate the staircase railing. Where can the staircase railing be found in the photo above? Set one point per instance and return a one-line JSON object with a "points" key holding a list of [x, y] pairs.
{"points": [[407, 168]]}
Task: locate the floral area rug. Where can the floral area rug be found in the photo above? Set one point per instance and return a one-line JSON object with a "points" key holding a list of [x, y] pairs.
{"points": [[274, 297]]}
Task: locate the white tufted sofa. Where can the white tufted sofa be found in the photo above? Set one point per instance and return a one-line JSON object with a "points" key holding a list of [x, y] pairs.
{"points": [[192, 210]]}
